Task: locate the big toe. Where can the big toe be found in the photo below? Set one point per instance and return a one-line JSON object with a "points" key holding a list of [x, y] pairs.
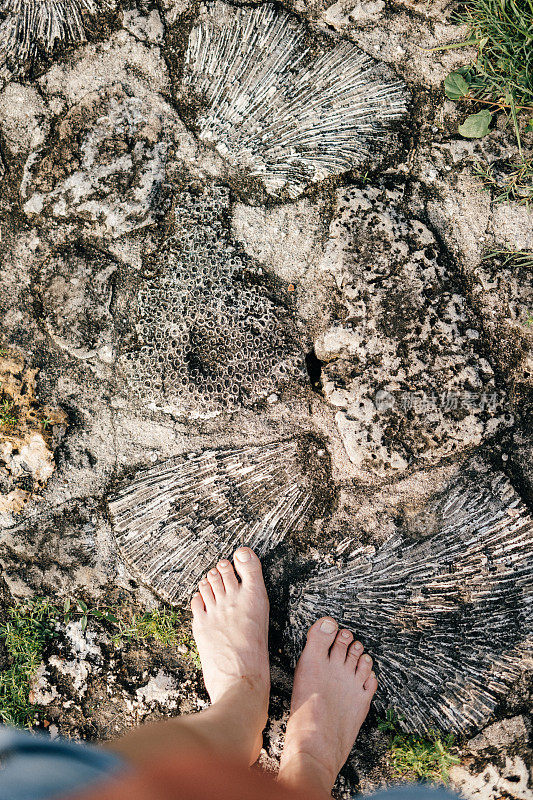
{"points": [[248, 567], [321, 636]]}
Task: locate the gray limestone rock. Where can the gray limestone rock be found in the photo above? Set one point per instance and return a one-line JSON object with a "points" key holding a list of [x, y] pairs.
{"points": [[401, 361], [203, 252], [104, 165]]}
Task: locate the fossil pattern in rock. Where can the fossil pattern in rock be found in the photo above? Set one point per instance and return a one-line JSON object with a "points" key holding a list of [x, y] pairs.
{"points": [[448, 618], [278, 103], [31, 26], [208, 338], [402, 363], [104, 165], [174, 521]]}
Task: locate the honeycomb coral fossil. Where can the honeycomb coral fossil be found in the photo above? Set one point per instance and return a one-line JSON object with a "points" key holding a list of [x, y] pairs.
{"points": [[278, 103], [31, 26], [174, 521], [448, 619], [208, 339]]}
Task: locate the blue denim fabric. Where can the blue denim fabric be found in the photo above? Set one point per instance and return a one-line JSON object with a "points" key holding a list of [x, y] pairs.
{"points": [[33, 767], [413, 792]]}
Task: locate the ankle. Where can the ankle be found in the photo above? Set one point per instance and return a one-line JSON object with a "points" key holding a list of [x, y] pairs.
{"points": [[247, 696], [242, 714], [249, 691], [303, 771]]}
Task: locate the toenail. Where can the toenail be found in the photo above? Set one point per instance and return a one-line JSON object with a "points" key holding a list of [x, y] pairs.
{"points": [[328, 626], [243, 555], [345, 634], [224, 563], [213, 573], [367, 658], [357, 646], [204, 582]]}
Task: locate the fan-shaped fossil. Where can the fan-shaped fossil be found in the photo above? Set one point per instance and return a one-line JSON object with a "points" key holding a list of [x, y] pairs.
{"points": [[174, 521], [448, 619], [210, 337], [31, 26], [280, 104]]}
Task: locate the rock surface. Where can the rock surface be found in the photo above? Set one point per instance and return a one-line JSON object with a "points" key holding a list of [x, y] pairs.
{"points": [[364, 313]]}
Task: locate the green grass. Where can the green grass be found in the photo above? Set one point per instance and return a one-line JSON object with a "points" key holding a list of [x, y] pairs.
{"points": [[514, 258], [8, 415], [503, 69], [514, 182], [31, 624], [162, 625], [27, 629], [421, 758], [500, 79]]}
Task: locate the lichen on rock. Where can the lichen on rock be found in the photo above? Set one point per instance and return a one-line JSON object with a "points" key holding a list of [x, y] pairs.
{"points": [[28, 433], [105, 164], [400, 357]]}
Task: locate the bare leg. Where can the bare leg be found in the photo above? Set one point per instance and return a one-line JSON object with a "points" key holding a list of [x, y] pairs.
{"points": [[333, 687], [230, 625]]}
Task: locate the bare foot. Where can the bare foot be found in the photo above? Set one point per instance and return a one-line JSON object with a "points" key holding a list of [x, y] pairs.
{"points": [[230, 626], [333, 687]]}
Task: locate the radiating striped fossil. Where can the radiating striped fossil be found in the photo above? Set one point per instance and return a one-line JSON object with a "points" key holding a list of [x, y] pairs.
{"points": [[281, 104], [174, 521], [448, 619], [31, 26]]}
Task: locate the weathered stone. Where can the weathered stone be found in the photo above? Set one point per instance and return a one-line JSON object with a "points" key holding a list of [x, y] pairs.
{"points": [[146, 28], [210, 333], [28, 433], [398, 42], [512, 780], [139, 68], [105, 164], [502, 735], [76, 292], [23, 118], [400, 361]]}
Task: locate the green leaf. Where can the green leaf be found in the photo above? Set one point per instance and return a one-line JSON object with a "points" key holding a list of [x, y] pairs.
{"points": [[529, 126], [84, 622], [66, 605], [110, 618], [476, 125], [83, 606], [455, 86]]}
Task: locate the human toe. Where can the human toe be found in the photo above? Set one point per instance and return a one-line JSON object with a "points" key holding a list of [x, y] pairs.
{"points": [[206, 591], [340, 646], [354, 653], [248, 567], [197, 604], [371, 684], [321, 636], [364, 668], [228, 575], [217, 584]]}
